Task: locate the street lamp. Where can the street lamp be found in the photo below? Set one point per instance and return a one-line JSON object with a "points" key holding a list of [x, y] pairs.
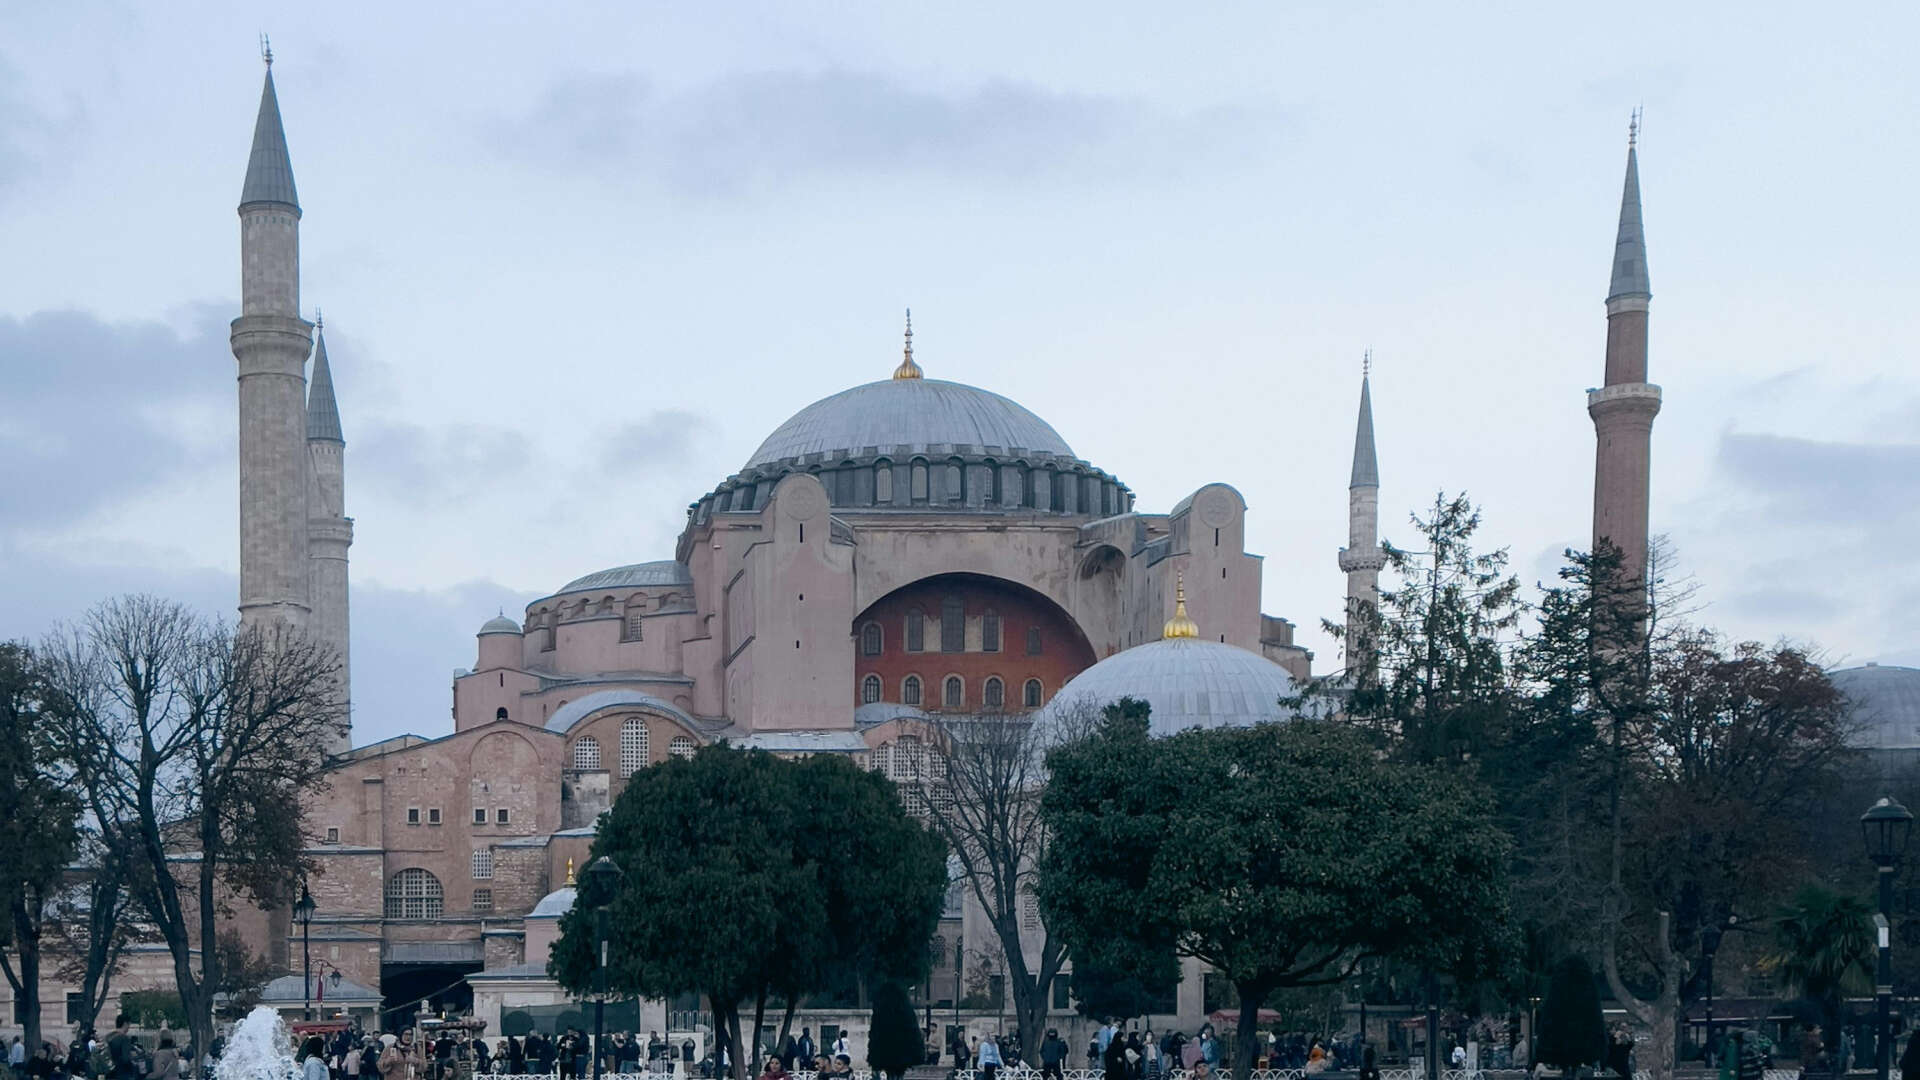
{"points": [[303, 914], [1709, 945], [1886, 827], [603, 880]]}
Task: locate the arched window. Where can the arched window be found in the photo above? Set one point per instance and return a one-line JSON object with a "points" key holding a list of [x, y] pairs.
{"points": [[1032, 693], [680, 747], [413, 893], [482, 864], [916, 630], [1033, 641], [633, 746], [910, 690], [500, 713], [586, 753], [883, 482], [993, 694], [953, 625], [631, 629], [956, 481], [919, 481], [869, 689], [990, 631], [956, 692], [870, 639]]}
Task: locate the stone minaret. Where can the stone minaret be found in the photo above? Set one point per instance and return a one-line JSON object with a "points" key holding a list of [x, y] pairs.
{"points": [[1623, 409], [329, 529], [271, 342], [1362, 558]]}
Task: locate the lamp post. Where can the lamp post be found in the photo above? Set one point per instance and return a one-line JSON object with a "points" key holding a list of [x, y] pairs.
{"points": [[1533, 1030], [603, 879], [1709, 945], [1886, 827], [303, 914]]}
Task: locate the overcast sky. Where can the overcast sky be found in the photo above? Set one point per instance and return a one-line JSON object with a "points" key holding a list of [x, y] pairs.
{"points": [[574, 268]]}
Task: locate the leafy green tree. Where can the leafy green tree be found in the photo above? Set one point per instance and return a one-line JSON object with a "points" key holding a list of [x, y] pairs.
{"points": [[1572, 1033], [790, 877], [895, 1043], [1281, 855], [1824, 947], [38, 826]]}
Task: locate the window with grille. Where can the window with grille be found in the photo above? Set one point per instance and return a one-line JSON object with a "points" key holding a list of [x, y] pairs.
{"points": [[908, 761], [482, 864], [632, 629], [990, 632], [479, 815], [500, 816], [994, 694], [586, 753], [433, 815], [1029, 910], [916, 630], [870, 639], [483, 899], [913, 801], [956, 692], [953, 625], [869, 689], [413, 815], [413, 893], [680, 747], [1033, 641], [910, 690], [1032, 693], [333, 836], [633, 746]]}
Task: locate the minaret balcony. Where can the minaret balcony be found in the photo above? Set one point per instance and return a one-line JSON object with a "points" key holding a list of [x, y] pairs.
{"points": [[1624, 398], [1357, 559]]}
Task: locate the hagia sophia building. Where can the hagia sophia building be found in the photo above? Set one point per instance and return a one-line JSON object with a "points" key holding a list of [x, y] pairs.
{"points": [[894, 551]]}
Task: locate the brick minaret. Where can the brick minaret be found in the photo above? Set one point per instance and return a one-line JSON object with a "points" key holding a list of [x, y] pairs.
{"points": [[1362, 558], [1623, 409], [329, 529], [271, 342]]}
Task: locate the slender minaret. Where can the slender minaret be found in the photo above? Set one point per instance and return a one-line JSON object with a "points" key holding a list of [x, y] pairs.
{"points": [[1362, 558], [271, 342], [1623, 409], [329, 529]]}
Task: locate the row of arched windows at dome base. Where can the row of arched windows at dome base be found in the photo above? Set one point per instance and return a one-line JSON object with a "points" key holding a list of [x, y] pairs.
{"points": [[953, 631], [953, 692], [635, 749]]}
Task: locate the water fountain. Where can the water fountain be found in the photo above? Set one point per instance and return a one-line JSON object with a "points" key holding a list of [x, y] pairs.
{"points": [[258, 1049]]}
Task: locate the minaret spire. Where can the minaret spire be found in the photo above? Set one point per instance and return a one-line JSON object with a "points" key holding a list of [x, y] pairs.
{"points": [[329, 529], [1362, 558], [1624, 407]]}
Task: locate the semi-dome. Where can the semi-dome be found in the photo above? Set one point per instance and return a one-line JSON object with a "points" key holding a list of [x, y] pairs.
{"points": [[906, 416], [1886, 705], [1188, 681], [554, 904], [659, 572], [499, 624]]}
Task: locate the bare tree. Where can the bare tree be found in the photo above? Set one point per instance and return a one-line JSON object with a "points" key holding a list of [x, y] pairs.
{"points": [[92, 924], [192, 743], [982, 789]]}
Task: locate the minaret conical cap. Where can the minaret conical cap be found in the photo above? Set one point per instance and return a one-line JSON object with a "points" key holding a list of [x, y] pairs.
{"points": [[323, 415], [269, 168], [1630, 245], [908, 369], [1366, 465]]}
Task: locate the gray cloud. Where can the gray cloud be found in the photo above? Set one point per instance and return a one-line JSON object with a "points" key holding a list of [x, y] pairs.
{"points": [[95, 409], [765, 129], [29, 135], [663, 437], [1858, 485], [435, 465]]}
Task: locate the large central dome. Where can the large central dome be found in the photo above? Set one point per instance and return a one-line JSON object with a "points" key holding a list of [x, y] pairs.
{"points": [[909, 415]]}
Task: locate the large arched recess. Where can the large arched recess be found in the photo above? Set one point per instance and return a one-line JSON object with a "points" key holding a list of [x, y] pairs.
{"points": [[1058, 652]]}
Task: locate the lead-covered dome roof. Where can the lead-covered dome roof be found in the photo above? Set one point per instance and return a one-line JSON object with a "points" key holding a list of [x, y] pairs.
{"points": [[659, 572], [1189, 682], [1886, 705], [907, 416]]}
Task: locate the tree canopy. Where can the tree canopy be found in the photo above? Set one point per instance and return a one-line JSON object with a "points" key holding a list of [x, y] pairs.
{"points": [[1572, 1031], [39, 832], [787, 877], [1281, 855]]}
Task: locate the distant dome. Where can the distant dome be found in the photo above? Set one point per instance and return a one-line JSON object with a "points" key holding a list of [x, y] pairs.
{"points": [[554, 904], [1190, 682], [660, 572], [1886, 705], [500, 624], [904, 416]]}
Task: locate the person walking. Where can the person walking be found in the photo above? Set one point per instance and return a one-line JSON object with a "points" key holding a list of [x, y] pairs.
{"points": [[989, 1057], [1053, 1056]]}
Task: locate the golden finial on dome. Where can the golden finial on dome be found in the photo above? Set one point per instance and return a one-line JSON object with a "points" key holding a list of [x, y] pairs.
{"points": [[1180, 625], [908, 369], [570, 881]]}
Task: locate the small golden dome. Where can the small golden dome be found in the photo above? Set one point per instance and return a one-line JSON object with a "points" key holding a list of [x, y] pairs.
{"points": [[570, 882], [908, 369], [1180, 625]]}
